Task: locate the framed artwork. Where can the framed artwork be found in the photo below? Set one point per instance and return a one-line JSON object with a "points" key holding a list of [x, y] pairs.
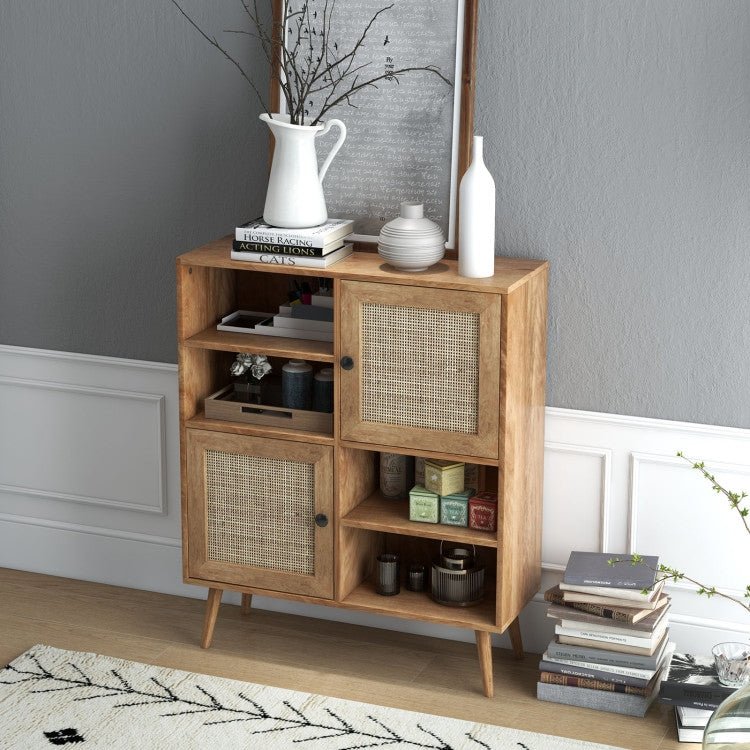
{"points": [[408, 139]]}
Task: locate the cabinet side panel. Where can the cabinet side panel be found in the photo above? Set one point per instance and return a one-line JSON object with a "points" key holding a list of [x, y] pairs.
{"points": [[203, 295], [523, 372]]}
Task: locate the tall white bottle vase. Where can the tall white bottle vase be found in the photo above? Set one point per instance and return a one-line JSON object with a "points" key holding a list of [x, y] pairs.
{"points": [[476, 230]]}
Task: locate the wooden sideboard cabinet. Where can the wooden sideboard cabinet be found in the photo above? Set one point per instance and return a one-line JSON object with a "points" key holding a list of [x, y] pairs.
{"points": [[432, 365]]}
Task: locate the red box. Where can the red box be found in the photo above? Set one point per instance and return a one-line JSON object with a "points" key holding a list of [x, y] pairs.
{"points": [[483, 511]]}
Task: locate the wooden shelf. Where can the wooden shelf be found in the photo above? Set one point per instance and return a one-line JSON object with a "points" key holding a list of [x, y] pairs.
{"points": [[418, 452], [273, 346], [378, 513], [201, 422], [413, 605]]}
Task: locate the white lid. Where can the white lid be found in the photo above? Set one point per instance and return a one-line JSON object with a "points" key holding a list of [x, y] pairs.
{"points": [[297, 365], [326, 374]]}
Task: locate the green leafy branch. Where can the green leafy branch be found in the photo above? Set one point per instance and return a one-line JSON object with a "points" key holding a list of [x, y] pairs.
{"points": [[667, 573]]}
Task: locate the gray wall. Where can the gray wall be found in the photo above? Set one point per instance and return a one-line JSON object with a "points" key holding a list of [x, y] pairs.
{"points": [[618, 134]]}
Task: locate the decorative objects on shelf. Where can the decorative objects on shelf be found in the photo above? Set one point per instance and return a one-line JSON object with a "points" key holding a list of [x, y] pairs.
{"points": [[424, 506], [415, 580], [476, 224], [396, 475], [411, 242], [250, 369], [457, 578], [454, 508], [732, 662], [387, 575], [297, 384], [483, 511], [443, 477]]}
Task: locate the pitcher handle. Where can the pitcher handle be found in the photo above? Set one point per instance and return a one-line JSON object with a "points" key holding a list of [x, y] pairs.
{"points": [[336, 146]]}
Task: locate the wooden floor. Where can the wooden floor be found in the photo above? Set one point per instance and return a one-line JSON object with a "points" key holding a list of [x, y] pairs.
{"points": [[347, 661]]}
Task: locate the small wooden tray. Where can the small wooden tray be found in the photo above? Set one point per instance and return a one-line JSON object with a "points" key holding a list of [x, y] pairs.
{"points": [[222, 405]]}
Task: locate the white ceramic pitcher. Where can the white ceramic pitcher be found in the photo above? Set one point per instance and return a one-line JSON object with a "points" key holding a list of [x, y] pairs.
{"points": [[295, 188]]}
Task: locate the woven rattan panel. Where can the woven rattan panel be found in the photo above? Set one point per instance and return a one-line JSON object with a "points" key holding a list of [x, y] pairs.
{"points": [[420, 368], [260, 512]]}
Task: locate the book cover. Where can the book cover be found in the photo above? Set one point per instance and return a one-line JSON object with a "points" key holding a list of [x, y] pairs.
{"points": [[554, 678], [687, 733], [594, 569], [609, 645], [632, 614], [292, 260], [258, 231], [645, 641], [577, 652], [586, 672], [693, 717], [570, 617], [607, 595], [639, 674], [599, 700], [692, 681], [300, 250]]}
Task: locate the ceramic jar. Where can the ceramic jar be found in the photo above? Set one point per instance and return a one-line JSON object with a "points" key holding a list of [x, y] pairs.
{"points": [[411, 242], [296, 384]]}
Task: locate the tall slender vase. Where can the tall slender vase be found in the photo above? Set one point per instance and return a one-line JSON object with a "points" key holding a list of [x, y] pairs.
{"points": [[476, 229], [294, 198]]}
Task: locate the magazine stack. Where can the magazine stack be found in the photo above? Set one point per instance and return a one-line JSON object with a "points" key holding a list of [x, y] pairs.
{"points": [[611, 644]]}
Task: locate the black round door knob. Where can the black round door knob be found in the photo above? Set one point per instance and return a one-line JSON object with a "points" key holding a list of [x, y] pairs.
{"points": [[321, 519], [347, 363]]}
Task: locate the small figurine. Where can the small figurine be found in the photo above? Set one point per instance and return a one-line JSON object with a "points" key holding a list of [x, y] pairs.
{"points": [[251, 369]]}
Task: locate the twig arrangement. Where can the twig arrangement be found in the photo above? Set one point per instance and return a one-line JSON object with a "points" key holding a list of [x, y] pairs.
{"points": [[667, 573], [314, 71]]}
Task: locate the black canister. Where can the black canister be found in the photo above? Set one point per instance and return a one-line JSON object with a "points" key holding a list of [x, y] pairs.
{"points": [[323, 390], [296, 384], [387, 575]]}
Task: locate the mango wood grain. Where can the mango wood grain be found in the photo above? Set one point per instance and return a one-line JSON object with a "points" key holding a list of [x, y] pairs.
{"points": [[201, 422], [484, 651], [321, 583], [203, 295], [246, 603], [523, 374], [379, 513], [212, 611], [353, 297], [273, 346], [413, 605], [378, 447], [509, 272], [516, 641]]}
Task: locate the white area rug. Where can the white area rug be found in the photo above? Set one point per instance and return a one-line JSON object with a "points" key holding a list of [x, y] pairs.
{"points": [[53, 698]]}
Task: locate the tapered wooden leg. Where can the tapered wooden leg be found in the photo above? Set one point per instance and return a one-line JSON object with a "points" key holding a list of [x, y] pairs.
{"points": [[212, 611], [514, 631], [484, 648], [247, 603]]}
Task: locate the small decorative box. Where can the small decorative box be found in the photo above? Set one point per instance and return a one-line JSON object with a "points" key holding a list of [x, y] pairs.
{"points": [[483, 511], [424, 505], [443, 477], [454, 509]]}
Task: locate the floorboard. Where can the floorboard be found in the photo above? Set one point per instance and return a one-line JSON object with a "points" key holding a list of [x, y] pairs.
{"points": [[347, 661]]}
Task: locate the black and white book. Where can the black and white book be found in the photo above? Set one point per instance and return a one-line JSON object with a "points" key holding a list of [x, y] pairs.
{"points": [[324, 234], [693, 717], [295, 261], [687, 733], [692, 681], [639, 674], [301, 251], [596, 569], [633, 597]]}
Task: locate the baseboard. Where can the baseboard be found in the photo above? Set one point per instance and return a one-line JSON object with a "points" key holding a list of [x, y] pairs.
{"points": [[612, 483]]}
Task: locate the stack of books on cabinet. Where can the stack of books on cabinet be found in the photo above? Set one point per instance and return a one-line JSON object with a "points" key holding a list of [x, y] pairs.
{"points": [[611, 644], [692, 686], [315, 247]]}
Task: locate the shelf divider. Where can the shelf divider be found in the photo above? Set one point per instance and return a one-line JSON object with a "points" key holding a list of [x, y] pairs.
{"points": [[274, 346], [379, 513]]}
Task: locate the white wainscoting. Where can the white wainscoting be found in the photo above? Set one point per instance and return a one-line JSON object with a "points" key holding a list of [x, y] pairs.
{"points": [[89, 489]]}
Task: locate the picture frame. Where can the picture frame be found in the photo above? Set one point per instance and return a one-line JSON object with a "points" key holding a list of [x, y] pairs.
{"points": [[367, 184]]}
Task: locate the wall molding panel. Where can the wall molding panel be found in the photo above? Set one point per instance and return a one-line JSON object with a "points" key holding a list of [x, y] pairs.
{"points": [[612, 484]]}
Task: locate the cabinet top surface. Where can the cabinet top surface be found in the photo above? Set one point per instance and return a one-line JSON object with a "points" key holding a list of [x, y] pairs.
{"points": [[509, 272]]}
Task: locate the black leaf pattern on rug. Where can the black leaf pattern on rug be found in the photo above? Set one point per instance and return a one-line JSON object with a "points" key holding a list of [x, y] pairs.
{"points": [[371, 734]]}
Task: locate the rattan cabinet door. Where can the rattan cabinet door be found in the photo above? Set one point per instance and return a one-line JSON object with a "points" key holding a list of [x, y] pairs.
{"points": [[426, 368], [251, 513]]}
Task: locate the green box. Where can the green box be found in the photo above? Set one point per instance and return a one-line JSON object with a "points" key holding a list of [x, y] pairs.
{"points": [[454, 508], [424, 506]]}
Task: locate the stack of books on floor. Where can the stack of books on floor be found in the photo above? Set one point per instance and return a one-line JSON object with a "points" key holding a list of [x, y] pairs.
{"points": [[316, 247], [692, 686], [611, 643]]}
